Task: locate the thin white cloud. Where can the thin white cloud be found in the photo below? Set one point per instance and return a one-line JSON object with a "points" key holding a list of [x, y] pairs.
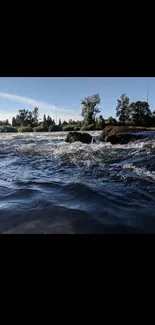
{"points": [[43, 107]]}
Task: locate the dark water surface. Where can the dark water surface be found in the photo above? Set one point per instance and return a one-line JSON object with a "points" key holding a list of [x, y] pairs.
{"points": [[49, 186]]}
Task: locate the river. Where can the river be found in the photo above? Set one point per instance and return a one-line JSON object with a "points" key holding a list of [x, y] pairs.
{"points": [[50, 186]]}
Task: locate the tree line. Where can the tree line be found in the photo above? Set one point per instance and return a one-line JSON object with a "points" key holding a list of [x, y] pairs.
{"points": [[134, 113], [129, 113]]}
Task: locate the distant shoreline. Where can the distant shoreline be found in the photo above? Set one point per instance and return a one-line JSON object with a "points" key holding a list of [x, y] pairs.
{"points": [[10, 129]]}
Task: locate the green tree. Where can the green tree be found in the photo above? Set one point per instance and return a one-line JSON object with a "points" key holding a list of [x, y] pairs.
{"points": [[29, 119], [59, 121], [55, 128], [140, 113], [6, 122], [89, 108], [79, 123], [35, 115], [49, 121], [153, 118], [23, 116], [18, 121], [101, 121], [123, 109], [13, 121], [111, 120], [64, 123], [44, 123]]}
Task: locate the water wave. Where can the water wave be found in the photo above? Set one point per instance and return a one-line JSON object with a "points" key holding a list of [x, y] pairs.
{"points": [[50, 186]]}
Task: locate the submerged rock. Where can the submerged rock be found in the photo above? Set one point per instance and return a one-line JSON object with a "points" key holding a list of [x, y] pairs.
{"points": [[77, 136], [123, 138]]}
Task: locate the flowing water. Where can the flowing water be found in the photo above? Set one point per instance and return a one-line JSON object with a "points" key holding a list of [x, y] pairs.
{"points": [[50, 186]]}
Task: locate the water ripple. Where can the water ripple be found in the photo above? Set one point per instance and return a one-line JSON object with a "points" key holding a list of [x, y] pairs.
{"points": [[50, 186]]}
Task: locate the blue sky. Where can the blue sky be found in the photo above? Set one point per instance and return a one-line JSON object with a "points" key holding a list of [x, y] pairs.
{"points": [[66, 94]]}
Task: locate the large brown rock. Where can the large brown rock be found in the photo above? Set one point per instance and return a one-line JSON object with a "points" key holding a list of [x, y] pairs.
{"points": [[113, 130], [123, 138], [77, 136]]}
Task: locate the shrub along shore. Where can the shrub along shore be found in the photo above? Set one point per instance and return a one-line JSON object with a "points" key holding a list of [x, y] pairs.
{"points": [[41, 128], [54, 128], [127, 128]]}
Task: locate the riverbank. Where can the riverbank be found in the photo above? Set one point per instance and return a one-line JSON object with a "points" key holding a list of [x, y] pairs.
{"points": [[57, 128]]}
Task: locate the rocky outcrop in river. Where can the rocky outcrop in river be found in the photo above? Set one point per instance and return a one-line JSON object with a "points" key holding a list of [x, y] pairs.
{"points": [[123, 138], [77, 136], [122, 134]]}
